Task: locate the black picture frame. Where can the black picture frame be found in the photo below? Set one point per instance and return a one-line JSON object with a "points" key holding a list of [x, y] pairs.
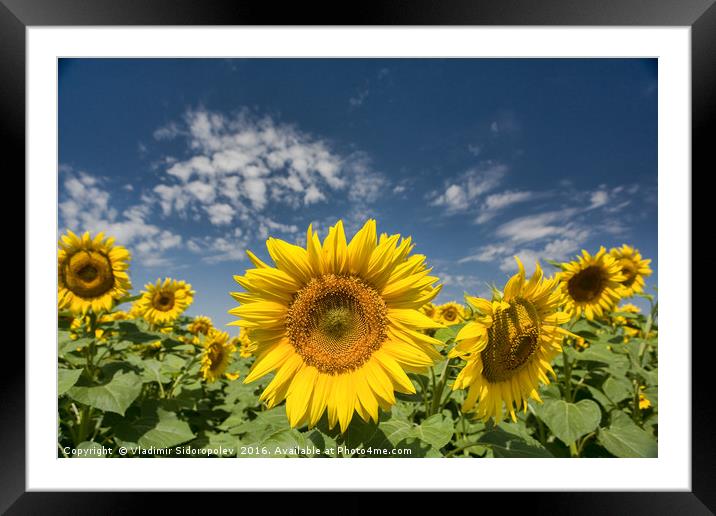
{"points": [[700, 15]]}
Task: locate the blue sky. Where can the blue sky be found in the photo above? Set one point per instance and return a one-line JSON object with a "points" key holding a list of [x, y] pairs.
{"points": [[188, 162]]}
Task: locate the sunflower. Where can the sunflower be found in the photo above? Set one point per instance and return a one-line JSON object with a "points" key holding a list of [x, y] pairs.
{"points": [[338, 322], [200, 325], [620, 320], [246, 347], [91, 273], [217, 356], [509, 345], [644, 402], [591, 284], [634, 269], [450, 313], [162, 302], [430, 310]]}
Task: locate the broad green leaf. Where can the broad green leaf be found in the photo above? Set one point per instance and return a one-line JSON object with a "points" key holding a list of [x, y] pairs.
{"points": [[445, 334], [511, 445], [156, 424], [624, 438], [570, 421], [323, 442], [114, 396], [67, 345], [168, 432], [66, 378], [437, 430], [284, 443], [617, 389], [152, 371]]}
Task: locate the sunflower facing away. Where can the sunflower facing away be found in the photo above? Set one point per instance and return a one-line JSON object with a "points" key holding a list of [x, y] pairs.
{"points": [[634, 269], [217, 356], [591, 285], [162, 302], [509, 345], [91, 273], [246, 347], [338, 323], [450, 313]]}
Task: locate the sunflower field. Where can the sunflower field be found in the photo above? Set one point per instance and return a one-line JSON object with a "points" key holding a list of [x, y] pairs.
{"points": [[337, 350]]}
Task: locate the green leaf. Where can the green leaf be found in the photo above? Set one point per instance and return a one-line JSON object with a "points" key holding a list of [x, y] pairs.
{"points": [[284, 443], [446, 334], [168, 432], [617, 389], [66, 378], [156, 424], [509, 444], [114, 396], [66, 345], [321, 441], [570, 421], [437, 430], [624, 438]]}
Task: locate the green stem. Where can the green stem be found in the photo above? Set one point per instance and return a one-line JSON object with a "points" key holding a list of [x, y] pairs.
{"points": [[85, 417], [573, 451], [567, 366], [179, 378]]}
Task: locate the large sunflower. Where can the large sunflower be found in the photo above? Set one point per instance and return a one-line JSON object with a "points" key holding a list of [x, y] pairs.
{"points": [[338, 323], [591, 284], [450, 313], [634, 269], [162, 302], [509, 345], [217, 356], [91, 273]]}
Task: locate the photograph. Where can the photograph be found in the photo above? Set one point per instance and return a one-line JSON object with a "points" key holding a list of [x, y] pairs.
{"points": [[357, 257]]}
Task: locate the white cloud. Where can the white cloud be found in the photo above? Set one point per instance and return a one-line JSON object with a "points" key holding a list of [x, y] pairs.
{"points": [[559, 249], [460, 194], [358, 99], [599, 198], [220, 214], [488, 253], [496, 202], [85, 207], [167, 132], [246, 161], [541, 226]]}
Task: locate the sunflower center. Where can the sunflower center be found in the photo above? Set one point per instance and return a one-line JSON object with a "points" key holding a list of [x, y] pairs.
{"points": [[89, 274], [513, 339], [629, 272], [450, 314], [336, 323], [587, 285], [163, 300], [215, 354]]}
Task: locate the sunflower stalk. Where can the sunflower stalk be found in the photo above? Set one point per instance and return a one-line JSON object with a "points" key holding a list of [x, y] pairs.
{"points": [[437, 402]]}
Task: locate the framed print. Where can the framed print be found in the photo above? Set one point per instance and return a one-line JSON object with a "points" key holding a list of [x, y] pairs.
{"points": [[450, 244]]}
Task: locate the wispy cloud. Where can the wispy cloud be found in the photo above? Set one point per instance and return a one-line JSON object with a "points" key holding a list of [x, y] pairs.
{"points": [[461, 193], [86, 206], [499, 201], [244, 167]]}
